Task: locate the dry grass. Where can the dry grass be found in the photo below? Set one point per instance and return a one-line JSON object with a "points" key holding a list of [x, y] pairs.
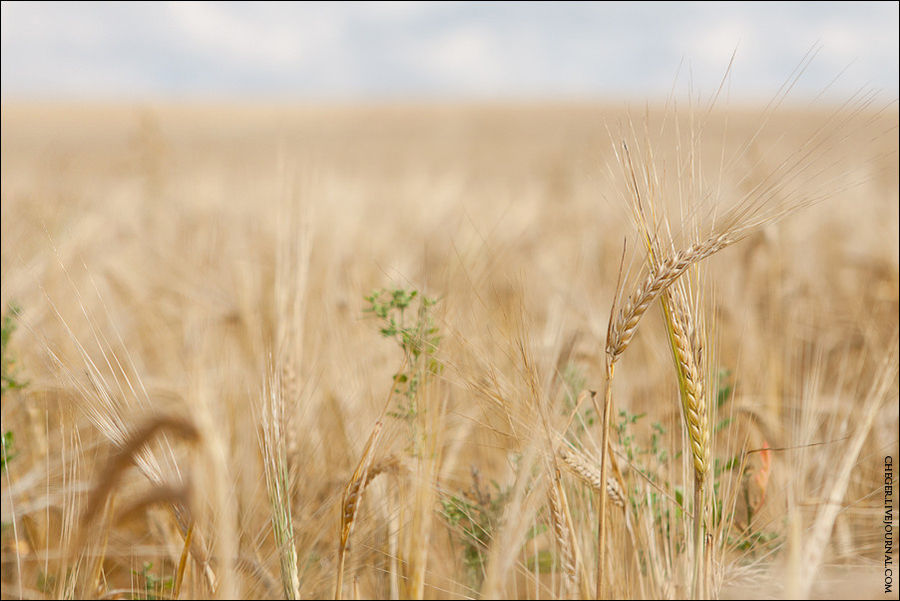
{"points": [[192, 282]]}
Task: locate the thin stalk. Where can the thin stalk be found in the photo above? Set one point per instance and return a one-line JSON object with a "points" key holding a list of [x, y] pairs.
{"points": [[697, 588], [182, 562], [604, 446]]}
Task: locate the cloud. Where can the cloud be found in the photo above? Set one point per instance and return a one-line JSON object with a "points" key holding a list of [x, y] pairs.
{"points": [[446, 49]]}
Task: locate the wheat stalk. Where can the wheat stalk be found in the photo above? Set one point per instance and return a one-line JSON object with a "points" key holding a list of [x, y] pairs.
{"points": [[685, 338], [604, 454], [687, 349]]}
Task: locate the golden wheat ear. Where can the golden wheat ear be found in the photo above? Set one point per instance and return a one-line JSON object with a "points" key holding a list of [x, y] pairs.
{"points": [[350, 503], [565, 535], [626, 321], [582, 467]]}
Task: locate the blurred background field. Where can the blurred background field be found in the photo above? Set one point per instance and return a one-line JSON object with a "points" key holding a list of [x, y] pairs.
{"points": [[148, 240]]}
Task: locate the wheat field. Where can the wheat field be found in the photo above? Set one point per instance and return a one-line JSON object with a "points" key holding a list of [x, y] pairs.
{"points": [[266, 351]]}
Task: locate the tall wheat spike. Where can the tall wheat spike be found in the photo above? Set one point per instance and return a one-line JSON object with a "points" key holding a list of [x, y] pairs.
{"points": [[694, 413], [685, 348]]}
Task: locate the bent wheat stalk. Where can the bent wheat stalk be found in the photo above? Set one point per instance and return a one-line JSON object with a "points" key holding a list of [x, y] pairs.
{"points": [[350, 503], [620, 332]]}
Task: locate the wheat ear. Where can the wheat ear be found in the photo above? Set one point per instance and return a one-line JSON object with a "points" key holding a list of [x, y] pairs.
{"points": [[350, 503], [634, 307], [686, 350], [685, 340], [563, 531], [582, 467], [278, 483]]}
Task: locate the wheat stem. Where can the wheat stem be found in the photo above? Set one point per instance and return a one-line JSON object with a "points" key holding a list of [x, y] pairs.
{"points": [[604, 446]]}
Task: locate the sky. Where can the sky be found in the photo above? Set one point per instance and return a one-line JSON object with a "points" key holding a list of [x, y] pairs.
{"points": [[441, 50]]}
